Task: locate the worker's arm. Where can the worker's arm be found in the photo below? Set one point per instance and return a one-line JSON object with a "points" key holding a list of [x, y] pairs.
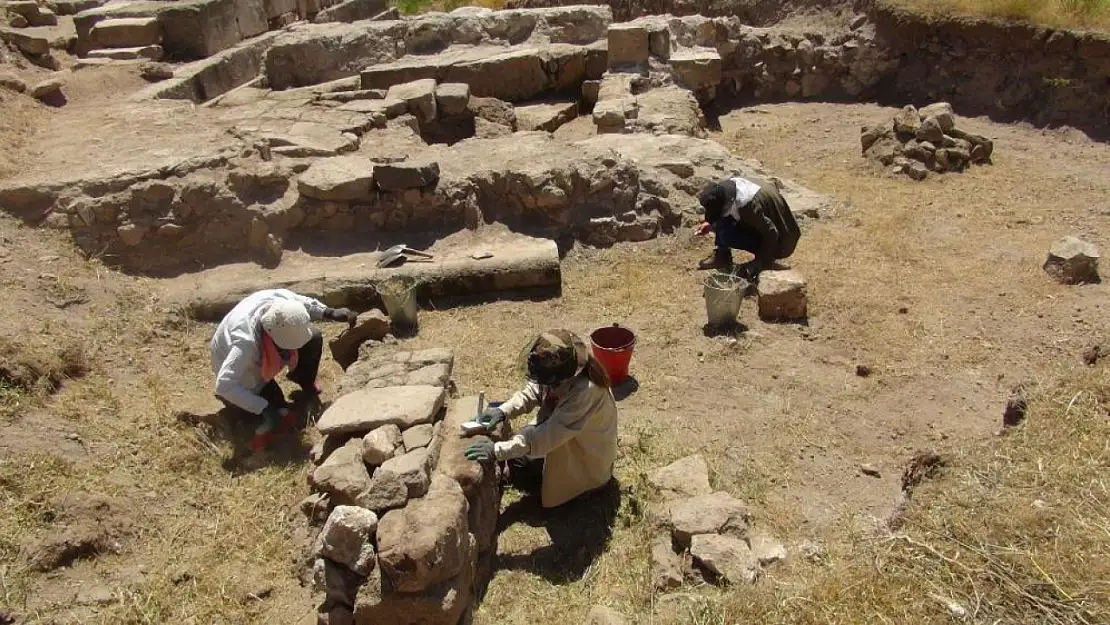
{"points": [[229, 387], [523, 402], [564, 424], [316, 309], [753, 215]]}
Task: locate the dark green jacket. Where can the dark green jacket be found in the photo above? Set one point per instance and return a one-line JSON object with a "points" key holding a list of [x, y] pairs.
{"points": [[768, 214]]}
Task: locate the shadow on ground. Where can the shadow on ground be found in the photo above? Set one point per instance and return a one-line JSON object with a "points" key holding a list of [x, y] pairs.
{"points": [[236, 428], [579, 530]]}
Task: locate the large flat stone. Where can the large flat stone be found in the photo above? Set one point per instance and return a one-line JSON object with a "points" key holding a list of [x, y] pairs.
{"points": [[368, 409], [128, 32], [696, 68], [344, 178], [726, 557], [545, 116]]}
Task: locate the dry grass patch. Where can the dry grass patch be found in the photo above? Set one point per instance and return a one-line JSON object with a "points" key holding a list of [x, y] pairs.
{"points": [[1093, 14]]}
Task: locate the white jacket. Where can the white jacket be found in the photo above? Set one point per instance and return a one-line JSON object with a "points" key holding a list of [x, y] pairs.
{"points": [[237, 347]]}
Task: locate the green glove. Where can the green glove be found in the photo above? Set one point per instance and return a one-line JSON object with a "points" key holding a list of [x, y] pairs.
{"points": [[271, 419], [342, 314], [481, 451], [491, 418]]}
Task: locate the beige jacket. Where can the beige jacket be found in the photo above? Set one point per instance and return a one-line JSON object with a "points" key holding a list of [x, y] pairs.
{"points": [[575, 431]]}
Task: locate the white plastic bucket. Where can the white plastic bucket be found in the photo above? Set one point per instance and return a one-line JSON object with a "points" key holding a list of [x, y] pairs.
{"points": [[723, 294], [399, 297]]}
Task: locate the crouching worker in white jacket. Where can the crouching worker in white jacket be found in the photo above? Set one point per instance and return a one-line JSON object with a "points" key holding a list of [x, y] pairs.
{"points": [[265, 333], [573, 439]]}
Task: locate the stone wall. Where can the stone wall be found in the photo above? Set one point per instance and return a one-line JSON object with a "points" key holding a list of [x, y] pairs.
{"points": [[409, 523], [314, 53]]}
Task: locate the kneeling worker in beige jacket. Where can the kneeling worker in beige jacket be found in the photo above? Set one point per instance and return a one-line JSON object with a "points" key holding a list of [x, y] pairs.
{"points": [[574, 435]]}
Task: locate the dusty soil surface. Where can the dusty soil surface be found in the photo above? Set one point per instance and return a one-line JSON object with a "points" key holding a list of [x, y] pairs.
{"points": [[935, 286]]}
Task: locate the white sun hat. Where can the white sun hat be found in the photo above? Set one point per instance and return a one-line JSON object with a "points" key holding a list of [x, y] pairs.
{"points": [[287, 322]]}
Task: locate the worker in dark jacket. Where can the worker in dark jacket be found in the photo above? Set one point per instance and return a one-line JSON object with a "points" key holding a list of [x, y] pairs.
{"points": [[749, 216]]}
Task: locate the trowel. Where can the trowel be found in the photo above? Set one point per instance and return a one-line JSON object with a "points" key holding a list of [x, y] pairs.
{"points": [[399, 254], [469, 428]]}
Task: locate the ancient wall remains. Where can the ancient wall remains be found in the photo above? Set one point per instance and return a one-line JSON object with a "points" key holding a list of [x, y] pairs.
{"points": [[408, 523]]}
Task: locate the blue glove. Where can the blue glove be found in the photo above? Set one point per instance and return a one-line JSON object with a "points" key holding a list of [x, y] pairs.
{"points": [[481, 451], [491, 418]]}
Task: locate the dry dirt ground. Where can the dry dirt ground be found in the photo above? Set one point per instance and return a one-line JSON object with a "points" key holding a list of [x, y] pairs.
{"points": [[935, 286]]}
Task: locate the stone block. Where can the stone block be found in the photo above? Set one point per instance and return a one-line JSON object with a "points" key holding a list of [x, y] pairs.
{"points": [[907, 121], [452, 98], [372, 325], [438, 374], [130, 32], [426, 542], [418, 436], [386, 492], [351, 11], [1073, 261], [726, 557], [628, 44], [667, 567], [420, 97], [145, 53], [381, 445], [716, 513], [411, 468], [545, 116], [343, 474], [688, 477], [415, 174], [341, 179], [368, 409], [347, 538], [782, 296], [659, 43], [444, 603], [27, 43], [696, 68], [338, 583]]}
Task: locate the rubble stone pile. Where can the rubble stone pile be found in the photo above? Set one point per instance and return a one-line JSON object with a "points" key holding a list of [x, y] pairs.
{"points": [[706, 535], [408, 522], [917, 142]]}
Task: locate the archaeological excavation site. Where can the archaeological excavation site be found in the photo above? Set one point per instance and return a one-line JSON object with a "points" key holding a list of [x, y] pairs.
{"points": [[829, 269]]}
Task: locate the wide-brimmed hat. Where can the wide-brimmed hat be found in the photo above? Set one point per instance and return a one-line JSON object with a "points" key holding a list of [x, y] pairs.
{"points": [[288, 324], [554, 356]]}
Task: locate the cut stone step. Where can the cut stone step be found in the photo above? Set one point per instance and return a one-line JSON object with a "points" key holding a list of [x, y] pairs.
{"points": [[518, 263], [146, 53], [545, 116], [127, 32]]}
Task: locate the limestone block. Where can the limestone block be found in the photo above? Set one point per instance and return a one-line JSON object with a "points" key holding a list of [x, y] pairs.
{"points": [[782, 295]]}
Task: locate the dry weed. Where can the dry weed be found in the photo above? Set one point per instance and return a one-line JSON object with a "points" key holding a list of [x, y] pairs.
{"points": [[1060, 13]]}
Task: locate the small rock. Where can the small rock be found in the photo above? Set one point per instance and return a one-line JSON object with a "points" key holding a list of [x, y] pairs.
{"points": [[907, 121], [155, 72], [869, 135], [338, 582], [131, 234], [12, 83], [47, 88], [258, 594], [858, 22], [813, 552], [16, 20], [97, 595], [1073, 261], [726, 557], [863, 371], [315, 507], [381, 445], [347, 538], [766, 548], [930, 130], [1092, 354], [916, 171], [1016, 408], [371, 325], [688, 477], [937, 109], [666, 565], [452, 98], [601, 615], [418, 436], [869, 469]]}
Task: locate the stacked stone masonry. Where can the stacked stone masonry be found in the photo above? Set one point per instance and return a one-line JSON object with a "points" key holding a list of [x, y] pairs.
{"points": [[388, 144], [408, 524]]}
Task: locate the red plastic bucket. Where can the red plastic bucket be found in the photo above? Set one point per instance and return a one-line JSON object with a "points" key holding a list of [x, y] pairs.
{"points": [[612, 346]]}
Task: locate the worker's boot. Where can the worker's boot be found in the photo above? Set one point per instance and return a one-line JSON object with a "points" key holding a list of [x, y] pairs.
{"points": [[721, 260]]}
